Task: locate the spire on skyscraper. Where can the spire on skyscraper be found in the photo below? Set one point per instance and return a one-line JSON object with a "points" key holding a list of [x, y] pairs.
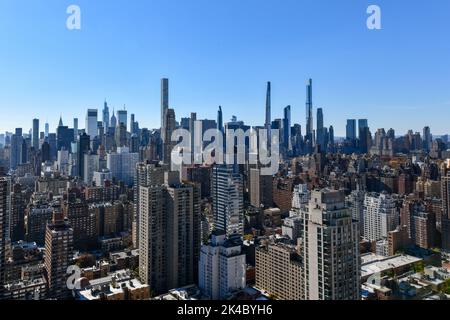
{"points": [[60, 121]]}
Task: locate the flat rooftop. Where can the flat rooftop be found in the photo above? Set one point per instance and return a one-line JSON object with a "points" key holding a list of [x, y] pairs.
{"points": [[372, 263]]}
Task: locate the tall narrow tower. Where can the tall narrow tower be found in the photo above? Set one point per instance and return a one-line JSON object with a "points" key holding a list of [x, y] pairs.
{"points": [[220, 120], [309, 111], [268, 107], [164, 99], [35, 140]]}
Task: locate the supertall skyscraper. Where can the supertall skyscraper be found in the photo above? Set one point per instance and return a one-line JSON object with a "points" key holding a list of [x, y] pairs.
{"points": [[220, 120], [35, 140], [164, 99], [320, 132], [309, 116], [268, 122], [330, 248]]}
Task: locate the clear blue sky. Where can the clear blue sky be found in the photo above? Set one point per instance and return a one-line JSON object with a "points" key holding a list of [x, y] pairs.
{"points": [[222, 52]]}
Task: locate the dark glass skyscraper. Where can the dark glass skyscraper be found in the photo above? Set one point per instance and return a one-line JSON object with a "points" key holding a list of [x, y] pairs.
{"points": [[320, 133], [351, 130], [35, 140]]}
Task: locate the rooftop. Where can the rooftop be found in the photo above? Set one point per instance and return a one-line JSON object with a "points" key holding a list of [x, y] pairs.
{"points": [[372, 263]]}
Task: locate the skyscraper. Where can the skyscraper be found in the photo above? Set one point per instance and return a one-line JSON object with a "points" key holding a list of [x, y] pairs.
{"points": [[427, 138], [35, 140], [220, 120], [362, 124], [268, 122], [5, 192], [164, 99], [16, 148], [122, 117], [320, 134], [445, 190], [83, 147], [380, 216], [122, 165], [58, 255], [46, 130], [169, 235], [105, 116], [113, 122], [132, 123], [309, 114], [91, 123], [75, 128], [228, 202], [351, 130], [167, 136], [330, 248], [287, 129]]}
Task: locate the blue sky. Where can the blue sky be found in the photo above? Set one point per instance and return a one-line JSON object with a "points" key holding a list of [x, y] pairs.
{"points": [[222, 52]]}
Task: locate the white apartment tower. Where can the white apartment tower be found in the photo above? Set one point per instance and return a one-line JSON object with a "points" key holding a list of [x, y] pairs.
{"points": [[222, 267], [228, 201], [380, 216]]}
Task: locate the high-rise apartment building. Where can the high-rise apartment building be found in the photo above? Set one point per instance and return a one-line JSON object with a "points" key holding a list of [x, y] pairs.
{"points": [[279, 271], [58, 255], [260, 189], [445, 190], [169, 234], [330, 248], [380, 216], [228, 202], [221, 267], [5, 191]]}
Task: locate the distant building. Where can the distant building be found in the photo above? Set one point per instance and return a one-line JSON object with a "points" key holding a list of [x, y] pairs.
{"points": [[122, 165], [380, 216]]}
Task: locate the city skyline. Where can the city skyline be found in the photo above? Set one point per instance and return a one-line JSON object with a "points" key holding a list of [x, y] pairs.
{"points": [[122, 54]]}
